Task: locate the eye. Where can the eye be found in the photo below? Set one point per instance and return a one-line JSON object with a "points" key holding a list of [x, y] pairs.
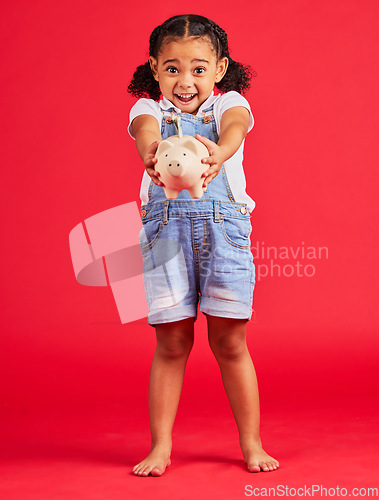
{"points": [[184, 154], [171, 68], [166, 155], [199, 71]]}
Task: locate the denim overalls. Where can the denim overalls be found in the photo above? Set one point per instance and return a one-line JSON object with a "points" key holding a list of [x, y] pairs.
{"points": [[196, 250]]}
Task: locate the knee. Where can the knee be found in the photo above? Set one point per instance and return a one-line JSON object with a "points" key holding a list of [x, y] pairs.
{"points": [[175, 344], [174, 348], [228, 348]]}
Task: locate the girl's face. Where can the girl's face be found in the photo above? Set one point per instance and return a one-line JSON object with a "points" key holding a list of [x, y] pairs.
{"points": [[186, 71]]}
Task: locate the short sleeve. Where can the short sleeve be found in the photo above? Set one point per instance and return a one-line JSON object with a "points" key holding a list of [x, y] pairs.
{"points": [[232, 99], [144, 107]]}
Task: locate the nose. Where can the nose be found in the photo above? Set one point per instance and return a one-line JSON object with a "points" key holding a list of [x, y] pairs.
{"points": [[185, 80]]}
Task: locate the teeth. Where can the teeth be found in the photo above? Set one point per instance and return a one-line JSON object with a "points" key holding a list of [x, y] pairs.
{"points": [[186, 95]]}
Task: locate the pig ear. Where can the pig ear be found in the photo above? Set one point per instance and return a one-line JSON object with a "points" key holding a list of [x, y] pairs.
{"points": [[164, 146], [191, 146]]}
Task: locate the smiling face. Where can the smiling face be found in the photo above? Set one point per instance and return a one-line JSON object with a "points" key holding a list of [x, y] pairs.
{"points": [[186, 71]]}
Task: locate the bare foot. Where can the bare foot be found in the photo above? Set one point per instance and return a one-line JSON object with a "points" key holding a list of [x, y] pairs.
{"points": [[155, 463], [256, 458]]}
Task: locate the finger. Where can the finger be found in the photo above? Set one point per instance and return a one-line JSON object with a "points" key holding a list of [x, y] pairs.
{"points": [[210, 171], [203, 139], [153, 148], [156, 144], [157, 182], [152, 172], [210, 178], [209, 160], [150, 162], [154, 176], [149, 156], [207, 142]]}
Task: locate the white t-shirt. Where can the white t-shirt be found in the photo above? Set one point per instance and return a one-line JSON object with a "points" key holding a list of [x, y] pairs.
{"points": [[221, 102]]}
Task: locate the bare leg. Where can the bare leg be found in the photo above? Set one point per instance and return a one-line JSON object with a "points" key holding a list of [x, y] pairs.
{"points": [[227, 339], [174, 344]]}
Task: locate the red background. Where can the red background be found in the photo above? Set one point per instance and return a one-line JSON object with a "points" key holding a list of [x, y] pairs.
{"points": [[311, 166]]}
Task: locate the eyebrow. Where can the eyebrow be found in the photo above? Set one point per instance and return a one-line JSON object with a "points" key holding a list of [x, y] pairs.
{"points": [[193, 60]]}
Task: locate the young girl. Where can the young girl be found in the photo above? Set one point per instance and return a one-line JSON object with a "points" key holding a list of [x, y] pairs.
{"points": [[196, 250]]}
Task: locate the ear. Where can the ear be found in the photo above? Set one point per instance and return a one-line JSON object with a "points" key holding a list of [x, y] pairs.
{"points": [[164, 146], [154, 67], [221, 69], [191, 146]]}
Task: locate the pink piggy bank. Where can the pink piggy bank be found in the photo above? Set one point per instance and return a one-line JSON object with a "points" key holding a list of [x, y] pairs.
{"points": [[179, 163]]}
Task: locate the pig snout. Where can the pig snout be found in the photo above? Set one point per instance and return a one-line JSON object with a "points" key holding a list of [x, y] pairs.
{"points": [[175, 168]]}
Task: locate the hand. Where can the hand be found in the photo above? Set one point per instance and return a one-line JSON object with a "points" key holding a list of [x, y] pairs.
{"points": [[215, 159], [149, 162]]}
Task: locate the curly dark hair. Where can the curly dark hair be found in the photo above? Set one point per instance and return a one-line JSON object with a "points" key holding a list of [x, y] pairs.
{"points": [[237, 76]]}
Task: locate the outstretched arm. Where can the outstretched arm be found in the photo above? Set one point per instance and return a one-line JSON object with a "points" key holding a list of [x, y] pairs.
{"points": [[233, 130], [146, 132]]}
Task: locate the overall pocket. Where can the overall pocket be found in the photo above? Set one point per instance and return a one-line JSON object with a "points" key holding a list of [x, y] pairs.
{"points": [[150, 233], [236, 231]]}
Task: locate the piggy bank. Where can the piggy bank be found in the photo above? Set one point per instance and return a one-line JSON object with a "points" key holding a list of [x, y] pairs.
{"points": [[179, 163]]}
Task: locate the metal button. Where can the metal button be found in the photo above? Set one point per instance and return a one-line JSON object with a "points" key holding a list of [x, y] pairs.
{"points": [[168, 119], [243, 210], [143, 213], [207, 119]]}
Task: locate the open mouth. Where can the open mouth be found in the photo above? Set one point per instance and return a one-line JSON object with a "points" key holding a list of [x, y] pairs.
{"points": [[185, 98]]}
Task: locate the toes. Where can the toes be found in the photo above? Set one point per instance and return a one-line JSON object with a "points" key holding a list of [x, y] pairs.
{"points": [[137, 469], [263, 462], [143, 471], [254, 468], [156, 472], [272, 465], [148, 470]]}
